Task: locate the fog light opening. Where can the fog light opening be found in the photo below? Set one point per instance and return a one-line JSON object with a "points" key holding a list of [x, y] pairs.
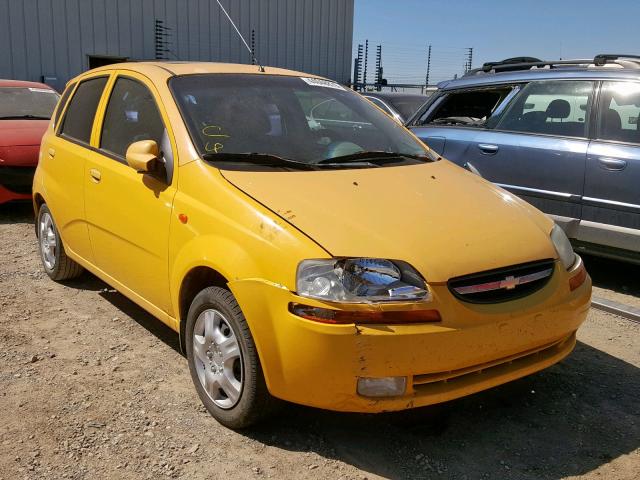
{"points": [[382, 387]]}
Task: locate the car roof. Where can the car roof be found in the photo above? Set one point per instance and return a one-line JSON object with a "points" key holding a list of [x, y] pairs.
{"points": [[24, 84], [168, 68], [563, 73]]}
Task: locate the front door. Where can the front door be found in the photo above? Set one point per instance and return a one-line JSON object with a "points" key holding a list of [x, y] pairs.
{"points": [[128, 213], [612, 179]]}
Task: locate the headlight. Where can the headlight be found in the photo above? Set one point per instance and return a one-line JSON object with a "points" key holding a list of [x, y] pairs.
{"points": [[563, 247], [360, 280]]}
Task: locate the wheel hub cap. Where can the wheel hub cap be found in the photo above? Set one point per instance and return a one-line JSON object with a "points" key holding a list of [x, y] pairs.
{"points": [[217, 358]]}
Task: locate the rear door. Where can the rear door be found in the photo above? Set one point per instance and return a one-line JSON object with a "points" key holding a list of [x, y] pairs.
{"points": [[611, 211], [63, 159]]}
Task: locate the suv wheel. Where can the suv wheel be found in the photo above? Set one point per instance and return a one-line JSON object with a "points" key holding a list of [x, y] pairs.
{"points": [[54, 259], [223, 360]]}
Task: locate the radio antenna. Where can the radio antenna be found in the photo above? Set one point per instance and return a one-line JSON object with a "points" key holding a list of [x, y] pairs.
{"points": [[253, 57]]}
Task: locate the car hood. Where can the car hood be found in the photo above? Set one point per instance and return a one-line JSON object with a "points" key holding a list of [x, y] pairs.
{"points": [[22, 132], [440, 218]]}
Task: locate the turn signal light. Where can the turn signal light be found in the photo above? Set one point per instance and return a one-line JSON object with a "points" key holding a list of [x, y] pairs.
{"points": [[578, 279], [341, 317]]}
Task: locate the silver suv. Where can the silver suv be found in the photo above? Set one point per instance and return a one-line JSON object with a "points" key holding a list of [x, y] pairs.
{"points": [[565, 136]]}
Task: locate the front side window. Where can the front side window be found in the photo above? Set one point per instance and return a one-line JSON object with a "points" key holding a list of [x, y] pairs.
{"points": [[552, 108], [619, 112], [28, 103], [132, 115], [473, 108], [78, 120], [306, 120]]}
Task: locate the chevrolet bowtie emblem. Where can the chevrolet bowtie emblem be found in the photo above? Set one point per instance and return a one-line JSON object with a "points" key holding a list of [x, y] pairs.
{"points": [[510, 282]]}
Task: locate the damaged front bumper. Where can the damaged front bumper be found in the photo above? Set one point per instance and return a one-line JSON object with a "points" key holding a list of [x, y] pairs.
{"points": [[473, 348]]}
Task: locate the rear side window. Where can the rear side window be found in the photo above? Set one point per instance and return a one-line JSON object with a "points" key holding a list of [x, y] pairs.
{"points": [[619, 112], [131, 116], [61, 103], [473, 108], [78, 120], [552, 108]]}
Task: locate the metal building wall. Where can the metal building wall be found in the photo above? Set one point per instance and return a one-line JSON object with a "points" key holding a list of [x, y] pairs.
{"points": [[54, 37]]}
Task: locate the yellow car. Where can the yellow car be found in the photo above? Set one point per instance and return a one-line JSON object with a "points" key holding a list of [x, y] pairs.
{"points": [[305, 245]]}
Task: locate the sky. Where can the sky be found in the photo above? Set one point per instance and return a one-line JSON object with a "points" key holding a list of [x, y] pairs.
{"points": [[496, 29]]}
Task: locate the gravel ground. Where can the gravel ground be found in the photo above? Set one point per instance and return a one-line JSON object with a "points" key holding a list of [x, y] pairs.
{"points": [[93, 387]]}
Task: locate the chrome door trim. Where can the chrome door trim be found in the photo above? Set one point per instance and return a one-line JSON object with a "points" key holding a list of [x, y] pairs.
{"points": [[603, 201], [550, 193]]}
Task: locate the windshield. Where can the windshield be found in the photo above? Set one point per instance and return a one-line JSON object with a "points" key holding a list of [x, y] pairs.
{"points": [[304, 119], [24, 102]]}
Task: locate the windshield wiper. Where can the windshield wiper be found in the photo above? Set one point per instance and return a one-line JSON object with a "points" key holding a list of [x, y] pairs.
{"points": [[26, 117], [373, 157], [262, 159]]}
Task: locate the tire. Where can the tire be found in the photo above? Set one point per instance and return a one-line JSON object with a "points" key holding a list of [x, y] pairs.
{"points": [[229, 381], [54, 258]]}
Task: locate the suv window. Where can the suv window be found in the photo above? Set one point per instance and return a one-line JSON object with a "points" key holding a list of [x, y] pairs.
{"points": [[78, 120], [552, 108], [471, 108], [131, 115], [619, 112]]}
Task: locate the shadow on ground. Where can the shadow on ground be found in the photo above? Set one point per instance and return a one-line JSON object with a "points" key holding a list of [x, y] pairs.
{"points": [[16, 212], [613, 275]]}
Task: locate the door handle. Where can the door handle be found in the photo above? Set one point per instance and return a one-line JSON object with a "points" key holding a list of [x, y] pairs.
{"points": [[96, 176], [51, 152], [612, 163], [488, 149]]}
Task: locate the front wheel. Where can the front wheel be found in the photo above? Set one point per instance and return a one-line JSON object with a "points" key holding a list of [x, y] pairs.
{"points": [[223, 360], [54, 258]]}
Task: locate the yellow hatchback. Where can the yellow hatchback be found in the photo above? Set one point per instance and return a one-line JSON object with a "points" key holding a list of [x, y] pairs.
{"points": [[305, 245]]}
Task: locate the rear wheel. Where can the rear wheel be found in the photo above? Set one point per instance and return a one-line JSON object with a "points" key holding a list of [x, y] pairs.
{"points": [[54, 259], [223, 360]]}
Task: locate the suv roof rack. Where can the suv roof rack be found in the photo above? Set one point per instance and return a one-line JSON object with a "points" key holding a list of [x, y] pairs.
{"points": [[527, 63]]}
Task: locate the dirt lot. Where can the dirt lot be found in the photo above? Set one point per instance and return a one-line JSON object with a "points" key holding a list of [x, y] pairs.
{"points": [[93, 387]]}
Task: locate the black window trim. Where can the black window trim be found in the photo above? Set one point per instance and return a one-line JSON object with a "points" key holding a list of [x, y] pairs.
{"points": [[68, 138], [588, 118], [596, 120]]}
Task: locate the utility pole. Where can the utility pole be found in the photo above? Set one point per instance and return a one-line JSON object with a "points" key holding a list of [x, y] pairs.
{"points": [[253, 47], [426, 80], [469, 59], [162, 43], [379, 67], [357, 69], [366, 61]]}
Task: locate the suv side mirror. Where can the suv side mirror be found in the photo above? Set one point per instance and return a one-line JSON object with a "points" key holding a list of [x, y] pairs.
{"points": [[143, 156]]}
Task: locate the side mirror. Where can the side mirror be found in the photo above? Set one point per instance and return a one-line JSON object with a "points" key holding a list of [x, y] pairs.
{"points": [[143, 156]]}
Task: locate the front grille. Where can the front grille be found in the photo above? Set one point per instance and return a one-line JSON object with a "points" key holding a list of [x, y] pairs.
{"points": [[502, 284], [17, 179]]}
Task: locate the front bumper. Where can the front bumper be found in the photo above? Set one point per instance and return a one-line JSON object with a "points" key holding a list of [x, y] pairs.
{"points": [[475, 347], [15, 183]]}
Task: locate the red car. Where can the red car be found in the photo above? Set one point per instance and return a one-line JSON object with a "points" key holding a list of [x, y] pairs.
{"points": [[25, 110]]}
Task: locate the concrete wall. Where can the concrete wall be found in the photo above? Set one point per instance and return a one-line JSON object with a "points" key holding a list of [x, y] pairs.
{"points": [[55, 37]]}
